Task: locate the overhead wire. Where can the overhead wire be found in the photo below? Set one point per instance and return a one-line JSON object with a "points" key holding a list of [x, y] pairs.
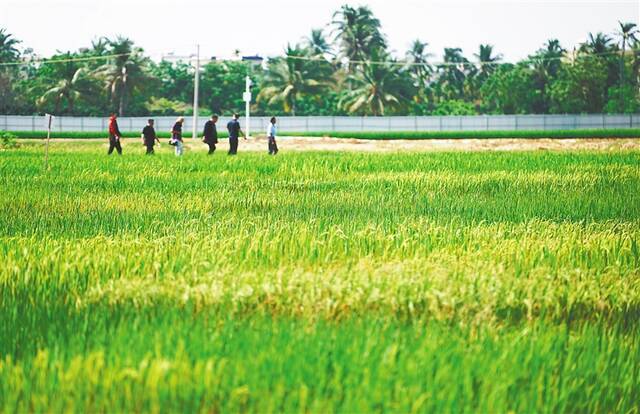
{"points": [[319, 58]]}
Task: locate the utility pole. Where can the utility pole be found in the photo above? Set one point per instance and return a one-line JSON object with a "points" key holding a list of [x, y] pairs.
{"points": [[247, 105], [196, 88], [252, 60]]}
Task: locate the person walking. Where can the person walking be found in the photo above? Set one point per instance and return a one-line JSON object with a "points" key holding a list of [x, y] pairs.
{"points": [[176, 136], [234, 132], [210, 134], [114, 135], [271, 136], [149, 137]]}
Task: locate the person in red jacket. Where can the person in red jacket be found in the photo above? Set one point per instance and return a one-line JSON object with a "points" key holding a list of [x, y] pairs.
{"points": [[114, 135]]}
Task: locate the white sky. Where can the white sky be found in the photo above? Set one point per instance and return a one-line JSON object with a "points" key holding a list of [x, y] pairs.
{"points": [[515, 27]]}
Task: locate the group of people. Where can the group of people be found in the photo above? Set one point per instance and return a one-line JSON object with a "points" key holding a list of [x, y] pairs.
{"points": [[209, 135]]}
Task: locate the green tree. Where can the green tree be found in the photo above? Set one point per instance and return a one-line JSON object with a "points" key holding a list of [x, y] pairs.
{"points": [[378, 88], [8, 53], [627, 33], [126, 74], [69, 89], [600, 44], [421, 72], [452, 74], [318, 44], [546, 63], [358, 33], [581, 87], [487, 60], [602, 47], [222, 84], [511, 89], [175, 80], [289, 78], [622, 100], [8, 47], [454, 107]]}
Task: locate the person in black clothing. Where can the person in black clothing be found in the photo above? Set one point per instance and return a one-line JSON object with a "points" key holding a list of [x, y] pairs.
{"points": [[234, 132], [210, 134], [149, 137], [114, 135]]}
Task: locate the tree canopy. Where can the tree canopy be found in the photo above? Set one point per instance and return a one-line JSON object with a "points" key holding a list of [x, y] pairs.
{"points": [[345, 68]]}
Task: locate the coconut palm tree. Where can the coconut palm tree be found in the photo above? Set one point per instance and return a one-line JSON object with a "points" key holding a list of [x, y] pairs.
{"points": [[75, 83], [488, 61], [289, 77], [125, 73], [358, 33], [548, 59], [636, 60], [378, 88], [453, 73], [317, 42], [417, 57], [627, 33], [600, 44], [8, 50]]}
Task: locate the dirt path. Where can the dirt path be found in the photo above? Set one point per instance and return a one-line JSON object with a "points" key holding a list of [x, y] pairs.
{"points": [[343, 144]]}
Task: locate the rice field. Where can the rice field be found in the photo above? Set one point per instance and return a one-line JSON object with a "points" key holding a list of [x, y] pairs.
{"points": [[319, 281]]}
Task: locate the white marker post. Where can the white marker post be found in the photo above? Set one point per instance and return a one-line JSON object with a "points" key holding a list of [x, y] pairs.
{"points": [[196, 88], [247, 105], [48, 119]]}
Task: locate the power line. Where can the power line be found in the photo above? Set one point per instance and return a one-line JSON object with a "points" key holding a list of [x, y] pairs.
{"points": [[315, 58], [444, 63], [67, 60]]}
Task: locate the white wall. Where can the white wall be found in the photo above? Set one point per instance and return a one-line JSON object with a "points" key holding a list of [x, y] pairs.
{"points": [[341, 123]]}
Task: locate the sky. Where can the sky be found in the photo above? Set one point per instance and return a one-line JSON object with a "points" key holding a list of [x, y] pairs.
{"points": [[516, 28]]}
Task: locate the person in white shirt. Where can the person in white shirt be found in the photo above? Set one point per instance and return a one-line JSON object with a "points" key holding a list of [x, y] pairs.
{"points": [[271, 136]]}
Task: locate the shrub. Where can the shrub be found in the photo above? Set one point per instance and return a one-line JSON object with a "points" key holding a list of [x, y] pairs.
{"points": [[8, 140]]}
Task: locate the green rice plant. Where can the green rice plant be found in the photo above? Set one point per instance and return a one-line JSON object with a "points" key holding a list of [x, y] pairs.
{"points": [[320, 282]]}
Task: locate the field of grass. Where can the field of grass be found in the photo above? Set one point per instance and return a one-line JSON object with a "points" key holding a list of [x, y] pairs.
{"points": [[377, 135], [321, 282]]}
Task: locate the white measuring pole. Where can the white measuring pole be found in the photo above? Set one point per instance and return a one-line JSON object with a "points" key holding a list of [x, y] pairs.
{"points": [[196, 88], [49, 118], [247, 106]]}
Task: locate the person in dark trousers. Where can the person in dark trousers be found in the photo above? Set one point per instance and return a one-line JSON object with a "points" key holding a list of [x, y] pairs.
{"points": [[234, 132], [210, 134], [271, 136], [176, 136], [149, 137], [114, 135]]}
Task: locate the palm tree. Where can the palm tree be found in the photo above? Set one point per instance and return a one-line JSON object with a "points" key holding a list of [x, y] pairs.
{"points": [[597, 45], [289, 77], [546, 63], [547, 60], [377, 88], [74, 84], [453, 73], [636, 60], [358, 33], [8, 50], [318, 43], [417, 57], [125, 73], [488, 61], [627, 33]]}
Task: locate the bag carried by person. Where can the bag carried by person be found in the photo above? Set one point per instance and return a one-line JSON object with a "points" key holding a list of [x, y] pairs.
{"points": [[173, 141]]}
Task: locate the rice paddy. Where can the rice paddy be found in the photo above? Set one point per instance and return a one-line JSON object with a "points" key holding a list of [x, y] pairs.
{"points": [[319, 282]]}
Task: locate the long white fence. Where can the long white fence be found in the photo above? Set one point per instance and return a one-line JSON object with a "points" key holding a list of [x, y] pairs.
{"points": [[343, 123]]}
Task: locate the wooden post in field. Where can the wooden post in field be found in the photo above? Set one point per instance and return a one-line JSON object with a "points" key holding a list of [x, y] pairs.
{"points": [[46, 154]]}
